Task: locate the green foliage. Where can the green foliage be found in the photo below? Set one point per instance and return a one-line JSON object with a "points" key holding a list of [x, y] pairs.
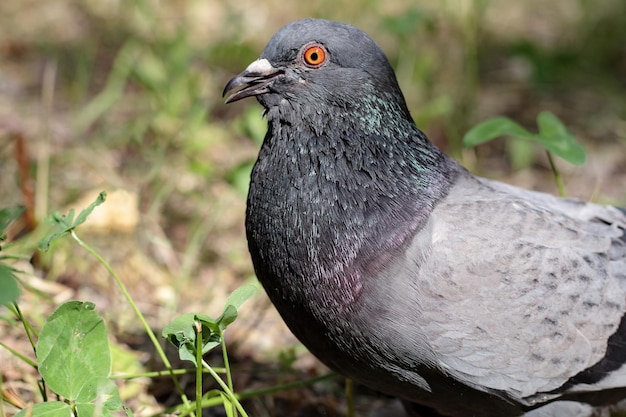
{"points": [[9, 290], [195, 334], [66, 223], [183, 330], [157, 110], [75, 362], [182, 333], [587, 59], [553, 136], [74, 358], [47, 409], [73, 349], [7, 216], [404, 25]]}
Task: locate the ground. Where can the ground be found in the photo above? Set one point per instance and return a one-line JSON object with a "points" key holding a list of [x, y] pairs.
{"points": [[126, 97]]}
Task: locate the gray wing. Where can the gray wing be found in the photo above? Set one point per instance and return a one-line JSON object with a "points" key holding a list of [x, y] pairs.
{"points": [[520, 292]]}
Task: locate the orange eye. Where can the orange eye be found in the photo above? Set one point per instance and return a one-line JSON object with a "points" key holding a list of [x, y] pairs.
{"points": [[315, 55]]}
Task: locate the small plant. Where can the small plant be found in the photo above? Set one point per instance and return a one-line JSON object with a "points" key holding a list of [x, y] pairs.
{"points": [[195, 334], [553, 136], [9, 290], [73, 356], [72, 348], [74, 361]]}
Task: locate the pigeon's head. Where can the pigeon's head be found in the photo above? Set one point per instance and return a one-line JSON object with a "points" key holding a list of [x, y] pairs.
{"points": [[317, 61]]}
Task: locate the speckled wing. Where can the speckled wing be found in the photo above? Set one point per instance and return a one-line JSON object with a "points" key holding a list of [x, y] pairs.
{"points": [[521, 292]]}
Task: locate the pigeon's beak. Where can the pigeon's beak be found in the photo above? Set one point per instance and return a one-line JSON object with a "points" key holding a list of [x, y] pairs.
{"points": [[256, 80]]}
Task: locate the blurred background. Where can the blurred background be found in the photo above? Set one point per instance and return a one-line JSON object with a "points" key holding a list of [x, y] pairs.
{"points": [[125, 96]]}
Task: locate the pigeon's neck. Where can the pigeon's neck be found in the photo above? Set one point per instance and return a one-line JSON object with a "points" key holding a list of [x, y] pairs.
{"points": [[335, 193]]}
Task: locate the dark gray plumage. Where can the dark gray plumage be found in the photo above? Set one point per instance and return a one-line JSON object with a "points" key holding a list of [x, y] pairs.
{"points": [[398, 268]]}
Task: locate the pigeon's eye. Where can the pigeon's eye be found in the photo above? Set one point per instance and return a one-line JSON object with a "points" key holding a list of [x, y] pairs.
{"points": [[314, 55]]}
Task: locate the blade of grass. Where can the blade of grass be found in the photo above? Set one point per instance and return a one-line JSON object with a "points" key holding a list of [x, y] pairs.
{"points": [[557, 175], [29, 333], [229, 377], [138, 313], [163, 373], [42, 181], [18, 355], [243, 395], [2, 400], [231, 396], [112, 92]]}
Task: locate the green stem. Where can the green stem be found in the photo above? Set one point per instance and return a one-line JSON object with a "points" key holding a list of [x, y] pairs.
{"points": [[198, 368], [138, 313], [284, 387], [163, 373], [243, 395], [27, 327], [29, 333], [229, 376], [231, 396], [557, 175], [2, 400], [20, 356]]}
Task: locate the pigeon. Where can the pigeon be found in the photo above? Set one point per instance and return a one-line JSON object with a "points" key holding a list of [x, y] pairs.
{"points": [[398, 268]]}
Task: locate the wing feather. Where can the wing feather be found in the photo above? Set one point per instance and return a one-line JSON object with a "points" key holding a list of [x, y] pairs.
{"points": [[520, 291]]}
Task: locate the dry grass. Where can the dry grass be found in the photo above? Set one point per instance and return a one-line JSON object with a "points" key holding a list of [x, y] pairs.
{"points": [[125, 97]]}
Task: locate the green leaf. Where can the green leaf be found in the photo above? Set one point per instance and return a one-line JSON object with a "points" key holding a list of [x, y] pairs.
{"points": [[181, 329], [93, 410], [553, 135], [493, 128], [47, 409], [99, 397], [102, 390], [521, 153], [233, 303], [181, 332], [228, 405], [9, 215], [228, 316], [73, 349], [86, 212], [66, 223], [210, 323], [241, 295], [9, 290], [551, 126]]}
